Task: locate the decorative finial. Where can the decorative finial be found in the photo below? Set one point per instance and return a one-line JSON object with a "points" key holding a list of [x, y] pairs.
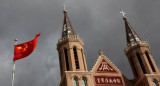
{"points": [[123, 14], [64, 7], [100, 52], [16, 40]]}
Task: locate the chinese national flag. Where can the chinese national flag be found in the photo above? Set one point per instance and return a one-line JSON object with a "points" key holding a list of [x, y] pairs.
{"points": [[25, 49]]}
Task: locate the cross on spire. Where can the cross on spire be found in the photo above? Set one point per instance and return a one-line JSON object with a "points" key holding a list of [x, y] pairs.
{"points": [[67, 27], [123, 14], [132, 36], [64, 7]]}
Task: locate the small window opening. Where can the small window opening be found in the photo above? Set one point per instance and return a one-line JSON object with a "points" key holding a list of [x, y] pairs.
{"points": [[76, 57], [141, 63], [155, 83], [150, 62], [84, 81], [75, 82], [134, 68], [66, 59]]}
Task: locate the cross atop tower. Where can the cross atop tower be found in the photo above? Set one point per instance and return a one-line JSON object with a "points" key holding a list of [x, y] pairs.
{"points": [[67, 26], [64, 7], [132, 36], [123, 14]]}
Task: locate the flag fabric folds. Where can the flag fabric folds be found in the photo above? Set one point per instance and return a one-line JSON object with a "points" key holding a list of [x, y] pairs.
{"points": [[25, 49]]}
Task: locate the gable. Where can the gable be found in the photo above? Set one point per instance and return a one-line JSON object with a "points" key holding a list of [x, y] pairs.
{"points": [[105, 73], [104, 65]]}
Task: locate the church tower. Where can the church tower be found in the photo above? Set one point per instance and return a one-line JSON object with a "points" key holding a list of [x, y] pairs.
{"points": [[71, 52], [73, 65], [145, 70]]}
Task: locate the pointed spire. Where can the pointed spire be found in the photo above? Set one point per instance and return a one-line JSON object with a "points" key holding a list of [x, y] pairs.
{"points": [[132, 36], [67, 26]]}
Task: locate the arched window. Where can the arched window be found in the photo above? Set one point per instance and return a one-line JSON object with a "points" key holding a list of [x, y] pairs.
{"points": [[134, 67], [66, 58], [75, 81], [84, 81], [155, 83], [150, 62], [76, 57], [141, 63]]}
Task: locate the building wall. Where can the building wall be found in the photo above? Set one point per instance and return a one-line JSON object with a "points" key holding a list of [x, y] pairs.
{"points": [[104, 72]]}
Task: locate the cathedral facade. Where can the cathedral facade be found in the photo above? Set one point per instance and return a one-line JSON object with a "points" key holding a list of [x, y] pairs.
{"points": [[73, 66]]}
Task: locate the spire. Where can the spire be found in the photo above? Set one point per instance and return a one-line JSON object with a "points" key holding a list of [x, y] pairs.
{"points": [[67, 26], [132, 36]]}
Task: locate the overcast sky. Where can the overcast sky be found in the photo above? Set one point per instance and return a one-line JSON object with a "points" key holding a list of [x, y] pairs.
{"points": [[98, 23]]}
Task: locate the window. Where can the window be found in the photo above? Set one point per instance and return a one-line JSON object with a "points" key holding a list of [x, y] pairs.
{"points": [[134, 68], [66, 58], [155, 83], [150, 62], [84, 81], [76, 57], [75, 82], [141, 63]]}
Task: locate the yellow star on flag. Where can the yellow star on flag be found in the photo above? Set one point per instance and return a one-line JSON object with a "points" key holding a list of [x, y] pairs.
{"points": [[19, 48]]}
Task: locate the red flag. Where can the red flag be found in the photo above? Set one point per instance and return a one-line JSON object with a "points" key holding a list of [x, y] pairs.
{"points": [[25, 49]]}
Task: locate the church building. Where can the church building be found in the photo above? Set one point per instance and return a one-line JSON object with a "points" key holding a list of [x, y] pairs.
{"points": [[73, 66]]}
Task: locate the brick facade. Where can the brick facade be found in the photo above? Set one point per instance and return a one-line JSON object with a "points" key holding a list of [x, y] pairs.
{"points": [[73, 64]]}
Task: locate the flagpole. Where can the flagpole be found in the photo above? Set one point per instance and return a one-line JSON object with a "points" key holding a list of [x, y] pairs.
{"points": [[13, 71], [14, 66]]}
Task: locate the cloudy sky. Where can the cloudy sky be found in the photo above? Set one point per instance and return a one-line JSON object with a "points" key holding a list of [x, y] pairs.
{"points": [[98, 23]]}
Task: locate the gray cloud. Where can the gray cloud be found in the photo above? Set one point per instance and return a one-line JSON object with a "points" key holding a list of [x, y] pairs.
{"points": [[97, 22]]}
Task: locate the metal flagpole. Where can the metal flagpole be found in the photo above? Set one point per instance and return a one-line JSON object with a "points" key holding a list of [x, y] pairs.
{"points": [[13, 71], [14, 66]]}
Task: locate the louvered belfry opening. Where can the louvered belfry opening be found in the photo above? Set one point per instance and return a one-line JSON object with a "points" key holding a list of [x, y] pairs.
{"points": [[76, 57], [141, 63], [134, 68], [150, 62], [66, 58]]}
